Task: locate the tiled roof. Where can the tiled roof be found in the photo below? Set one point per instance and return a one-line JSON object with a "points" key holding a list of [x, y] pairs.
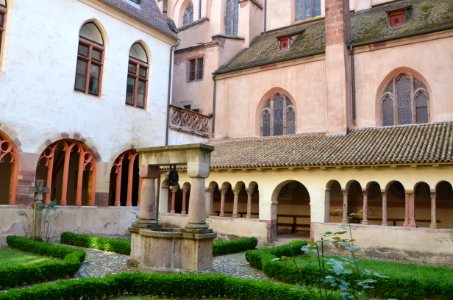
{"points": [[414, 144], [146, 12], [368, 26]]}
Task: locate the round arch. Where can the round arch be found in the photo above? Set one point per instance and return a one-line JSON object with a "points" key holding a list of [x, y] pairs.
{"points": [[105, 36], [333, 202], [444, 204], [124, 180], [354, 212], [395, 196], [372, 208]]}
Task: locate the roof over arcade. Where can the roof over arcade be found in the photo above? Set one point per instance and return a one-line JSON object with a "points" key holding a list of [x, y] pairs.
{"points": [[401, 145], [367, 27]]}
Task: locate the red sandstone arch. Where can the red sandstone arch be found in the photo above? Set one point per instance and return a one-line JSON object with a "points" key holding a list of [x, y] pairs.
{"points": [[9, 169], [124, 180], [68, 168]]}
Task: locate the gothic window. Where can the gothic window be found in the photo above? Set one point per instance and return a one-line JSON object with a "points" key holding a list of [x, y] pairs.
{"points": [[278, 116], [187, 17], [232, 17], [9, 168], [69, 169], [404, 101], [306, 9], [137, 77], [90, 57], [2, 19], [124, 180]]}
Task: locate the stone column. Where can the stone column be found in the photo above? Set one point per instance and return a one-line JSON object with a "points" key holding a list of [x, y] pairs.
{"points": [[147, 217], [345, 208], [209, 197], [184, 191], [249, 203], [235, 204], [384, 209], [409, 216], [223, 192], [173, 190], [433, 210], [365, 208]]}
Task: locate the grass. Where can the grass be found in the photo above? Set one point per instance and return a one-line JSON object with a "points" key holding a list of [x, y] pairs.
{"points": [[391, 268], [157, 298], [11, 257]]}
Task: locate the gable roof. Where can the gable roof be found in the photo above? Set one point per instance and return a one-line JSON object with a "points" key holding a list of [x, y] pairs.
{"points": [[367, 27], [148, 13], [413, 144]]}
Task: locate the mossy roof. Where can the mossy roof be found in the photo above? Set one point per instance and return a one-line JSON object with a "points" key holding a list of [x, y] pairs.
{"points": [[367, 27]]}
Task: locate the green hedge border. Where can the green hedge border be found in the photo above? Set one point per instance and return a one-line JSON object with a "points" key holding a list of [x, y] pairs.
{"points": [[123, 246], [396, 286], [165, 285], [71, 260]]}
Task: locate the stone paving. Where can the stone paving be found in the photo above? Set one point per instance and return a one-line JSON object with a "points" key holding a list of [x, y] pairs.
{"points": [[99, 263]]}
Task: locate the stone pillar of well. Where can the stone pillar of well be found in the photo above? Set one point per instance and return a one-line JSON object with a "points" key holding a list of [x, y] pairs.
{"points": [[338, 66]]}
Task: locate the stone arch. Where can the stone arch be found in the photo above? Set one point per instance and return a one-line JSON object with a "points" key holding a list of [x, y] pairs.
{"points": [[213, 199], [226, 200], [372, 206], [354, 205], [380, 93], [101, 28], [68, 167], [395, 195], [253, 200], [444, 204], [333, 202], [9, 169], [422, 204], [293, 208], [263, 101], [124, 180]]}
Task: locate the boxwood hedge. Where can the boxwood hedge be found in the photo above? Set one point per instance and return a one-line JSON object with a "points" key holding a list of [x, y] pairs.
{"points": [[166, 285], [71, 259], [123, 246]]}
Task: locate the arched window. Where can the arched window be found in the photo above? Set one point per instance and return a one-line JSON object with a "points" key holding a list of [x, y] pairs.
{"points": [[278, 116], [404, 101], [306, 9], [90, 57], [232, 17], [2, 20], [187, 17], [124, 180], [9, 168], [137, 76]]}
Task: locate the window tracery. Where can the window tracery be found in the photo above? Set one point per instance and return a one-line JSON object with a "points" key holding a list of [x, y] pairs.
{"points": [[306, 9], [278, 116], [232, 17], [188, 15], [405, 100]]}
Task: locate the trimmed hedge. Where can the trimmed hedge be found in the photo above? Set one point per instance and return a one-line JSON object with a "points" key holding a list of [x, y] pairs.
{"points": [[124, 246], [116, 245], [396, 285], [165, 285], [71, 259], [234, 246]]}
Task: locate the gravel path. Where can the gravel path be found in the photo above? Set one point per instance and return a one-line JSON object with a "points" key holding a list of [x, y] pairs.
{"points": [[99, 263]]}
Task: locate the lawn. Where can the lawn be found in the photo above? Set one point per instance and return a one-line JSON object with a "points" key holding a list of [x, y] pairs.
{"points": [[11, 257]]}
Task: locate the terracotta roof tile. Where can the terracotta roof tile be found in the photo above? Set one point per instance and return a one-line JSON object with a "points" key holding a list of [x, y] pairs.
{"points": [[147, 13], [413, 144]]}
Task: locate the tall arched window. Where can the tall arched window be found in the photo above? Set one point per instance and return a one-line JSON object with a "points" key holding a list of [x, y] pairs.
{"points": [[137, 76], [187, 17], [232, 17], [306, 9], [2, 20], [90, 57], [278, 116], [404, 101]]}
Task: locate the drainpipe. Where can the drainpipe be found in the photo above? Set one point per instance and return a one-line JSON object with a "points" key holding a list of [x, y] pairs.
{"points": [[353, 93], [214, 99], [199, 9], [169, 92], [265, 16]]}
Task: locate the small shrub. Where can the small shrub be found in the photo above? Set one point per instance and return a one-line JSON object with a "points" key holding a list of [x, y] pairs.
{"points": [[71, 259], [234, 246]]}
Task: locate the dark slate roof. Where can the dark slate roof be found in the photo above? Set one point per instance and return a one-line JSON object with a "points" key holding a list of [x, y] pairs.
{"points": [[368, 26], [148, 13], [414, 144]]}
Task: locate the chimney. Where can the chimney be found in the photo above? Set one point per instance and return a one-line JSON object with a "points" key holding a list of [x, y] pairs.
{"points": [[338, 67]]}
